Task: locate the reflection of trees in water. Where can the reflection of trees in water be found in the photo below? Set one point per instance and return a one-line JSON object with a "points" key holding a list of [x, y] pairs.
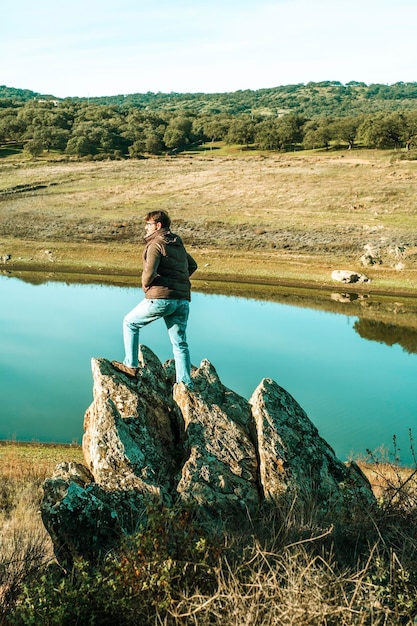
{"points": [[387, 333]]}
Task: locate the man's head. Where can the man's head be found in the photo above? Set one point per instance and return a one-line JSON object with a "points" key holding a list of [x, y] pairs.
{"points": [[159, 217]]}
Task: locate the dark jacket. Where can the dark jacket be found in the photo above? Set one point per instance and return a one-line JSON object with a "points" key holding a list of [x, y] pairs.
{"points": [[167, 267]]}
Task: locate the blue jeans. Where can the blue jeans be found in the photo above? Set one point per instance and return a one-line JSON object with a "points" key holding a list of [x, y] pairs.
{"points": [[175, 315]]}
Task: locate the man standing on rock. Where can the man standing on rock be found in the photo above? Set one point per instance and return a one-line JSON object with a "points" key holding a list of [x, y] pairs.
{"points": [[167, 268]]}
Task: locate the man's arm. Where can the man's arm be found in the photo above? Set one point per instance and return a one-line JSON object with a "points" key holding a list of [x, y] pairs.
{"points": [[192, 265], [150, 266]]}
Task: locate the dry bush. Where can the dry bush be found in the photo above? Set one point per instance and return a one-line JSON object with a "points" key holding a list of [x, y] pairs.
{"points": [[25, 546], [360, 572], [394, 485], [290, 568], [294, 588], [24, 549]]}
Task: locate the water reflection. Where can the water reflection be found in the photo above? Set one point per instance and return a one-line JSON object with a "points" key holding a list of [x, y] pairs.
{"points": [[347, 298], [388, 334]]}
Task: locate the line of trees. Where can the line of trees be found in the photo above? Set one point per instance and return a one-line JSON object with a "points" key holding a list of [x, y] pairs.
{"points": [[83, 129]]}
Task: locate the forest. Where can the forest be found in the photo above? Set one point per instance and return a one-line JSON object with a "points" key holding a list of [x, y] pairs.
{"points": [[293, 117]]}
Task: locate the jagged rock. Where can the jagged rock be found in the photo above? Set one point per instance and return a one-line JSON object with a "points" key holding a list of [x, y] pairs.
{"points": [[220, 471], [295, 463], [371, 255], [129, 440], [150, 440], [348, 276]]}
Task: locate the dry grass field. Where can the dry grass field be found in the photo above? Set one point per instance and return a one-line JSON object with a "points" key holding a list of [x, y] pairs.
{"points": [[359, 574], [279, 218]]}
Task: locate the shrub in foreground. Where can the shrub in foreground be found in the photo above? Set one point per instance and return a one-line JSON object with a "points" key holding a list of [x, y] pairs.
{"points": [[171, 574]]}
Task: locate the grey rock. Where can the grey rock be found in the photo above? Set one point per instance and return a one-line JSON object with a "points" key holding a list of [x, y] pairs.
{"points": [[82, 518], [296, 464], [348, 276], [150, 442], [220, 471], [129, 440], [368, 260]]}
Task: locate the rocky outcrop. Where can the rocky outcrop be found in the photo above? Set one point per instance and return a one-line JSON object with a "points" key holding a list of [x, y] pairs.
{"points": [[130, 429], [296, 465], [220, 469], [148, 441]]}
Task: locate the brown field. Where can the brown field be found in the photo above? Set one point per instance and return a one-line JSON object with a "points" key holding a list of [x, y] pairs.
{"points": [[20, 461], [278, 219]]}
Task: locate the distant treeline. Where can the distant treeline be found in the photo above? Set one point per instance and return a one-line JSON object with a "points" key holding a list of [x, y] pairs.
{"points": [[315, 115], [326, 98]]}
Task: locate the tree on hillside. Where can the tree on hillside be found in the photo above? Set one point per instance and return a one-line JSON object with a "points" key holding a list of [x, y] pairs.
{"points": [[317, 134], [241, 131], [80, 145], [346, 129], [47, 126], [267, 135], [137, 149], [154, 142], [277, 133], [49, 137], [11, 127], [178, 134], [34, 146], [382, 130], [85, 139], [215, 127], [133, 126], [409, 132]]}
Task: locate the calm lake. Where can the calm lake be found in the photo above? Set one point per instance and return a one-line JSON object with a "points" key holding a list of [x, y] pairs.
{"points": [[359, 392]]}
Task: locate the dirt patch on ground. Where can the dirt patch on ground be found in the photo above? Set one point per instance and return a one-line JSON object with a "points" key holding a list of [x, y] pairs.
{"points": [[200, 234]]}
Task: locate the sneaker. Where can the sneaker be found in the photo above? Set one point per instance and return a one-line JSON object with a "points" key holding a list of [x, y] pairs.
{"points": [[130, 371]]}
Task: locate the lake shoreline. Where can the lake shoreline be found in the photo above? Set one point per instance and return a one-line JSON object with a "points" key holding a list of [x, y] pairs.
{"points": [[131, 276], [285, 219], [384, 303]]}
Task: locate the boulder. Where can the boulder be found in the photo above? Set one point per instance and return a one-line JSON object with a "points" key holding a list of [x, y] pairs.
{"points": [[371, 255], [348, 276], [84, 519], [297, 465], [131, 427], [150, 442]]}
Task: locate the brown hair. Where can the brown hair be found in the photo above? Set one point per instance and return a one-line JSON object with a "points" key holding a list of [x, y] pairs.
{"points": [[159, 216]]}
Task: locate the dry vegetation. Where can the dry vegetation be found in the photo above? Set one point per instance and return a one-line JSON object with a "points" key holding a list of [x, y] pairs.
{"points": [[25, 546], [304, 572], [276, 218]]}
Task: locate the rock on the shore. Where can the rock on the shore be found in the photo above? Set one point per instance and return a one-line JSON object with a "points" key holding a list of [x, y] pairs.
{"points": [[348, 276]]}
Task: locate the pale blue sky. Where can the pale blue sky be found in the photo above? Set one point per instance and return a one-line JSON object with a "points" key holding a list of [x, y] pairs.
{"points": [[108, 47]]}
